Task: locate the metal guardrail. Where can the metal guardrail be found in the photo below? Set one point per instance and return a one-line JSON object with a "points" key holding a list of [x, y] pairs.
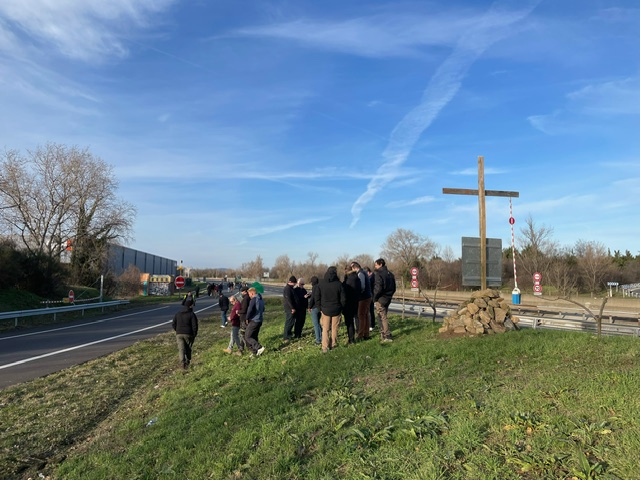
{"points": [[586, 324], [55, 310]]}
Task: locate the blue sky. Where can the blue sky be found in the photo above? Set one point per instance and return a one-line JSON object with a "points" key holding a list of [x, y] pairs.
{"points": [[245, 128]]}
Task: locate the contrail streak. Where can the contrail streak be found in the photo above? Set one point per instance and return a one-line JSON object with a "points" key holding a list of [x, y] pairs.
{"points": [[442, 87]]}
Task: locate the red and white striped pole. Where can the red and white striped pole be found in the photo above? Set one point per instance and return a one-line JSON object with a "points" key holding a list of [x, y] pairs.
{"points": [[516, 290]]}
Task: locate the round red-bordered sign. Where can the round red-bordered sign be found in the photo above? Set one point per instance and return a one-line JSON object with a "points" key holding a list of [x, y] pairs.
{"points": [[537, 288], [537, 276], [414, 271], [414, 283]]}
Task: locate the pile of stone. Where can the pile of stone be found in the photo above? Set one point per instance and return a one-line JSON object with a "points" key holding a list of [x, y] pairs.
{"points": [[486, 313]]}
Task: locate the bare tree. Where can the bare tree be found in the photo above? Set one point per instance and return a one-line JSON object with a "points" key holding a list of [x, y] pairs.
{"points": [[405, 249], [57, 194], [254, 269], [312, 257], [594, 264], [561, 272], [364, 259], [283, 267], [536, 250]]}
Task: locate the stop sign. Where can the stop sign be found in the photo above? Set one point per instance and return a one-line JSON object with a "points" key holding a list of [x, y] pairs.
{"points": [[179, 282]]}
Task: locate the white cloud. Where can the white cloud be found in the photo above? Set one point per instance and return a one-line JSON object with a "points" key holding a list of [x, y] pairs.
{"points": [[409, 203], [591, 103], [620, 97], [442, 87], [80, 29]]}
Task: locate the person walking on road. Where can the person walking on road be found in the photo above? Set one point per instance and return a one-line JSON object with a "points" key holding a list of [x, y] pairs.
{"points": [[185, 324]]}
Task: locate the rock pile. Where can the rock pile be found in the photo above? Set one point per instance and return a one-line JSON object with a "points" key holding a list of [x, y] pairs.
{"points": [[486, 313]]}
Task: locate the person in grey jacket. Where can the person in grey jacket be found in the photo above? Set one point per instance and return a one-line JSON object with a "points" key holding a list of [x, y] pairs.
{"points": [[330, 299], [185, 324]]}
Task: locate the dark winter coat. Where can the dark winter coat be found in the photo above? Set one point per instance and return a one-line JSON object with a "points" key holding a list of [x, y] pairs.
{"points": [[385, 286], [289, 299], [351, 286], [185, 322], [331, 297], [244, 306], [301, 298], [314, 291], [223, 302]]}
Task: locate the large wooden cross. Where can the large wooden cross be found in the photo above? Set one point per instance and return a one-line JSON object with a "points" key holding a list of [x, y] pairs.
{"points": [[481, 193]]}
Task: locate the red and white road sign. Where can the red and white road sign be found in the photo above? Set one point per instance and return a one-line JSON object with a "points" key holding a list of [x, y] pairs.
{"points": [[537, 277], [537, 288], [414, 271], [179, 282], [414, 283], [72, 296]]}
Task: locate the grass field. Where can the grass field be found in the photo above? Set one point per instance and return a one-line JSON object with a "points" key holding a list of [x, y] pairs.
{"points": [[523, 405]]}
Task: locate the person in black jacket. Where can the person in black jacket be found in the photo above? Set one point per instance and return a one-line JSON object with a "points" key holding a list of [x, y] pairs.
{"points": [[185, 324], [351, 286], [223, 303], [383, 290], [290, 305], [302, 302], [330, 300]]}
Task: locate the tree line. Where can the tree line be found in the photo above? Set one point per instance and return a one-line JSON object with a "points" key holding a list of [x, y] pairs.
{"points": [[585, 267], [58, 213]]}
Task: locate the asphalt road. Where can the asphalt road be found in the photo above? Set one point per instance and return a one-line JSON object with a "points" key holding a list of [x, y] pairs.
{"points": [[33, 353]]}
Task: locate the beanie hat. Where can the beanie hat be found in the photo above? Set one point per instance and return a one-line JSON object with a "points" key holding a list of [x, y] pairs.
{"points": [[293, 279]]}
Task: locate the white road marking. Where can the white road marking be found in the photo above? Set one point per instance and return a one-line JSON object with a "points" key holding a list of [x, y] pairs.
{"points": [[57, 352]]}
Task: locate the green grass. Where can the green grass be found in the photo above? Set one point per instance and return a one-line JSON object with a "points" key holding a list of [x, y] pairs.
{"points": [[523, 405]]}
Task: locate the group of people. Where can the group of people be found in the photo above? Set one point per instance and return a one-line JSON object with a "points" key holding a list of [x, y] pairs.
{"points": [[358, 297], [246, 314]]}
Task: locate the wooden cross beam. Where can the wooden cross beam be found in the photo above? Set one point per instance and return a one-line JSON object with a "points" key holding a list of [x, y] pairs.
{"points": [[481, 193]]}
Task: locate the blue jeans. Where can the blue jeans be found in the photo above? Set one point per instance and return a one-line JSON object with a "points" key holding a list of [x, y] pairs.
{"points": [[223, 313], [317, 328], [235, 339]]}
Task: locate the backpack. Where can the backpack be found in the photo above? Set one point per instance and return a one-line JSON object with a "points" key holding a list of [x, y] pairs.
{"points": [[390, 285]]}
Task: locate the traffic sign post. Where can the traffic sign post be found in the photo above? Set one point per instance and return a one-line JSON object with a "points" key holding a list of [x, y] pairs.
{"points": [[72, 296], [537, 287], [179, 282], [414, 279]]}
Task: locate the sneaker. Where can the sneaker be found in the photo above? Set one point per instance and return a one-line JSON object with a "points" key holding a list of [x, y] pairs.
{"points": [[387, 340], [371, 329], [238, 353], [324, 350], [222, 326], [228, 350], [260, 351]]}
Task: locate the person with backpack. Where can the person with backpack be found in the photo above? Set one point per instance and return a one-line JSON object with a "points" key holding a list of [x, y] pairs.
{"points": [[383, 290]]}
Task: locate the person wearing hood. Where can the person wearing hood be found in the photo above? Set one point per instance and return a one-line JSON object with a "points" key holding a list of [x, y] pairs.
{"points": [[185, 324], [330, 299]]}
